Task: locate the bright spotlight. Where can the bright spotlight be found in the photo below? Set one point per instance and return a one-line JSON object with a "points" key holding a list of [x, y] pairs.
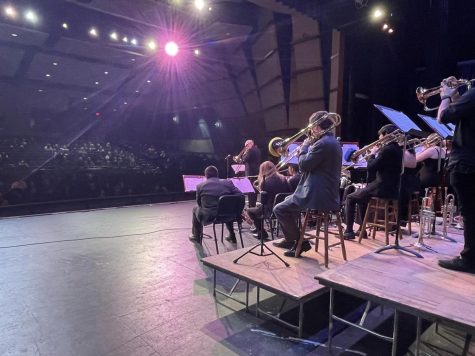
{"points": [[390, 30], [197, 52], [125, 39], [152, 45], [176, 119], [134, 41], [65, 26], [377, 14], [93, 32], [172, 49], [114, 36], [31, 16], [199, 4], [10, 12], [385, 27]]}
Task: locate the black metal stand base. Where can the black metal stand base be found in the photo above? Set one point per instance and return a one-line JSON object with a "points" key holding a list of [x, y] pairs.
{"points": [[263, 246], [399, 248], [423, 246]]}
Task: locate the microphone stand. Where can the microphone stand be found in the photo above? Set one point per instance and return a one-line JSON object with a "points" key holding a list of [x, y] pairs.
{"points": [[396, 245], [261, 244]]}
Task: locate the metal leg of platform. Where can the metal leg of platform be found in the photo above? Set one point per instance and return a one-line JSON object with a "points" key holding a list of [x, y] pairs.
{"points": [[214, 283], [247, 297], [418, 336], [468, 339], [301, 315], [365, 313], [330, 322], [257, 302], [395, 332]]}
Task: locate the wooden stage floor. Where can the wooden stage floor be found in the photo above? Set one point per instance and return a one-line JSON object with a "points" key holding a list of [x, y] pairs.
{"points": [[126, 281]]}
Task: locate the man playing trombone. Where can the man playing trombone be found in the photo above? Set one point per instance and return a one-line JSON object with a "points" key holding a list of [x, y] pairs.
{"points": [[320, 163], [460, 110], [251, 157]]}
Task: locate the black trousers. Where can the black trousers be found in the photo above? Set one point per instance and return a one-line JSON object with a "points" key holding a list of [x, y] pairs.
{"points": [[288, 214], [464, 186], [197, 225], [256, 215], [360, 197]]}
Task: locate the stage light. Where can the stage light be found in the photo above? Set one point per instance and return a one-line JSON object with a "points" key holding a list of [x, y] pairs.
{"points": [[172, 49], [114, 36], [218, 124], [48, 75], [14, 34], [106, 73], [385, 27], [40, 90], [93, 32], [96, 83], [377, 14], [137, 91], [55, 63], [98, 114], [210, 8], [10, 12], [176, 119], [31, 16], [152, 45], [134, 41], [149, 81], [125, 103], [390, 30], [199, 4], [197, 52], [65, 26], [84, 98], [125, 39]]}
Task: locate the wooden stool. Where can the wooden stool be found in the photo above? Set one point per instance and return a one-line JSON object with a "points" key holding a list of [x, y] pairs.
{"points": [[305, 236], [413, 211], [375, 205]]}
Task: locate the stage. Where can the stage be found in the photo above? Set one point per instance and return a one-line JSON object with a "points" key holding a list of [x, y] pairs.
{"points": [[126, 281]]}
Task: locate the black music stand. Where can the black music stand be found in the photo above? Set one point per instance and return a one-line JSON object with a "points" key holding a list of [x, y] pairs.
{"points": [[405, 124], [445, 132], [261, 243]]}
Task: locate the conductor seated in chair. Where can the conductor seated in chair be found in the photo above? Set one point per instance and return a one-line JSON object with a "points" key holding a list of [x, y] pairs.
{"points": [[319, 188], [207, 197]]}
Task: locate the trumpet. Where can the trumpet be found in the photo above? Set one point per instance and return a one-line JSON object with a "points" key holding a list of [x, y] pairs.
{"points": [[424, 94], [432, 140], [365, 152], [238, 158], [280, 147]]}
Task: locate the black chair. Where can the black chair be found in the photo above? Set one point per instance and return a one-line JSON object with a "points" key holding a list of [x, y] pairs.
{"points": [[272, 220], [230, 209]]}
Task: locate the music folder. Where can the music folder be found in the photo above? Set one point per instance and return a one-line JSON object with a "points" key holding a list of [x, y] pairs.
{"points": [[400, 120], [440, 129], [238, 168], [191, 181]]}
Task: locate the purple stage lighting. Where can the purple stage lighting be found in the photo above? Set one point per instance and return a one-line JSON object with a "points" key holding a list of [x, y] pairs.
{"points": [[171, 48]]}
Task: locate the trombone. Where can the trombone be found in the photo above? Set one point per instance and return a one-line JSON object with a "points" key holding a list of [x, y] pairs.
{"points": [[364, 153], [279, 147], [424, 94]]}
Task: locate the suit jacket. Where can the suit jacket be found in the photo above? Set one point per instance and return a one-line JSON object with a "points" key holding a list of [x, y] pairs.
{"points": [[207, 197], [272, 186], [252, 161], [320, 165], [387, 166]]}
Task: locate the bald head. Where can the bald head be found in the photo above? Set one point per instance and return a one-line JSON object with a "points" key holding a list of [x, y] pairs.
{"points": [[248, 144]]}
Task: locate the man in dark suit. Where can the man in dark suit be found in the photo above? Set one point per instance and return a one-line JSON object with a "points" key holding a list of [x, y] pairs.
{"points": [[294, 175], [320, 164], [207, 197], [251, 159], [386, 167], [460, 110]]}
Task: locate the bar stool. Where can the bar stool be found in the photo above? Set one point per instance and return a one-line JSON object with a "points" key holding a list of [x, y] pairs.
{"points": [[413, 211], [321, 217], [376, 205]]}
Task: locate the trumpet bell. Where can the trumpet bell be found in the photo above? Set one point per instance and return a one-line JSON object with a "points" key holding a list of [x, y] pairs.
{"points": [[276, 146]]}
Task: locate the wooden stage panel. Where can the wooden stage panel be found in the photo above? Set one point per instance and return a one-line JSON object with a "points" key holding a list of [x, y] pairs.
{"points": [[297, 281]]}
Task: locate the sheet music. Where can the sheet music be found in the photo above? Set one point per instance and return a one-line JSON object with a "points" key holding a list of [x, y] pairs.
{"points": [[190, 182], [440, 129], [398, 118], [243, 184], [238, 168]]}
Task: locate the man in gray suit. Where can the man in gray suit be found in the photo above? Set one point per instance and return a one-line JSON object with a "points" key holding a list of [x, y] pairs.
{"points": [[320, 164], [207, 197]]}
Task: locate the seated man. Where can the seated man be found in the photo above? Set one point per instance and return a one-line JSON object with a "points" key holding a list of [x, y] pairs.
{"points": [[387, 168], [207, 197], [294, 175]]}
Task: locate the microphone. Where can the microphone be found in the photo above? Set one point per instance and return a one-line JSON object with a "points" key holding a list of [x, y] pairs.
{"points": [[227, 157]]}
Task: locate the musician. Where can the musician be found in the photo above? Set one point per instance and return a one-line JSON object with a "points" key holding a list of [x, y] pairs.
{"points": [[460, 110], [430, 158], [387, 168], [270, 183], [320, 164], [294, 175], [409, 182], [251, 158], [207, 196]]}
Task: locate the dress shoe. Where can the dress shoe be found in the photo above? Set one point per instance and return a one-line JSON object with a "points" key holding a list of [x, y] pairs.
{"points": [[305, 247], [284, 244], [458, 264], [349, 235], [194, 238], [231, 238]]}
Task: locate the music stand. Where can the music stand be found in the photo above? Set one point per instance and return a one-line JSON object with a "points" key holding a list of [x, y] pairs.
{"points": [[445, 132], [261, 243], [405, 124]]}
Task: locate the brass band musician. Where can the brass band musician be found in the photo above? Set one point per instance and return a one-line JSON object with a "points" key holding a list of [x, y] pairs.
{"points": [[251, 157], [320, 163], [432, 159], [460, 110]]}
